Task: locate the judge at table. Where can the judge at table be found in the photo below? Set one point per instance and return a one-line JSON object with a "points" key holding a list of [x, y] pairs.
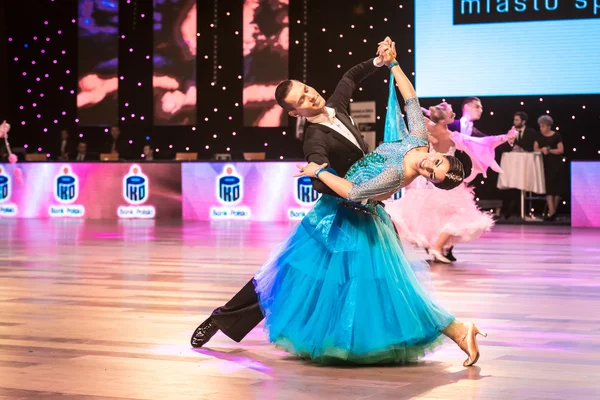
{"points": [[550, 144], [525, 136]]}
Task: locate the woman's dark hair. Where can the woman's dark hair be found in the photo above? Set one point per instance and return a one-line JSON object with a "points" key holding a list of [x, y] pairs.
{"points": [[454, 176]]}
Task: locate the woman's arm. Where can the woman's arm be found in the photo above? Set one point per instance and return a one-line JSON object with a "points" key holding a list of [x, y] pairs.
{"points": [[386, 182], [414, 112], [536, 147], [339, 185], [406, 88], [560, 149]]}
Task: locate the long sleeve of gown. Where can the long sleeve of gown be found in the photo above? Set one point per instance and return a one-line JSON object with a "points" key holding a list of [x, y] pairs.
{"points": [[387, 181], [416, 121], [391, 175]]}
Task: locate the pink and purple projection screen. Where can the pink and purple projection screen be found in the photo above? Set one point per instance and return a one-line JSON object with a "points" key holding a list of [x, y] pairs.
{"points": [[98, 61], [265, 48], [251, 191], [585, 194], [174, 79], [91, 190]]}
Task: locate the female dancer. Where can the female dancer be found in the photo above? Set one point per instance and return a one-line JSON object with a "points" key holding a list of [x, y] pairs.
{"points": [[453, 215], [340, 288]]}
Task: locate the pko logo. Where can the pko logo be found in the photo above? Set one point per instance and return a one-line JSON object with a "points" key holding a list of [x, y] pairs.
{"points": [[5, 188], [66, 186], [6, 209], [305, 193], [230, 187], [135, 186]]}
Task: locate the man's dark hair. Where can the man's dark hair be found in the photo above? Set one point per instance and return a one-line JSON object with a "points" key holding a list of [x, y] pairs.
{"points": [[282, 91], [469, 100], [523, 115]]}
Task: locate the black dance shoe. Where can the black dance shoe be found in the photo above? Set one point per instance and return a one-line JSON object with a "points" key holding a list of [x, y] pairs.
{"points": [[550, 218], [450, 256], [204, 333]]}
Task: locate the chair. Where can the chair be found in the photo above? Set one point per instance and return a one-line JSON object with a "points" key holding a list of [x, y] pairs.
{"points": [[254, 156], [35, 157], [186, 156]]}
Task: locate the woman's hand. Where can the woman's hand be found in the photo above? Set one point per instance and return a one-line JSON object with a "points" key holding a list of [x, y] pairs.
{"points": [[4, 128], [544, 151], [384, 45], [387, 51], [511, 136], [309, 169]]}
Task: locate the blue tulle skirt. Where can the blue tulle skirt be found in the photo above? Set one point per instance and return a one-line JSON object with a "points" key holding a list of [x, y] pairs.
{"points": [[340, 289]]}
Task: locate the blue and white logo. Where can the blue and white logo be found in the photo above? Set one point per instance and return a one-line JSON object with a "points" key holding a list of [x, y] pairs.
{"points": [[6, 209], [230, 192], [66, 186], [5, 187], [305, 194], [66, 192], [135, 186], [136, 190], [230, 188]]}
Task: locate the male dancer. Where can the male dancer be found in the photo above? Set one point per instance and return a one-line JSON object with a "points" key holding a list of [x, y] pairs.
{"points": [[331, 137], [471, 112]]}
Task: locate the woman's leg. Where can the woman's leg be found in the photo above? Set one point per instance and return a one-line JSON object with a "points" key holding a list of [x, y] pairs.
{"points": [[465, 337], [437, 251], [441, 241], [455, 331]]}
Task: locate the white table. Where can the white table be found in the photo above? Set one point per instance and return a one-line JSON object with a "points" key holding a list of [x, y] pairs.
{"points": [[523, 171]]}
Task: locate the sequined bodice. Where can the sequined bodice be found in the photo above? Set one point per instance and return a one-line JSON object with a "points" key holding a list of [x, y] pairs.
{"points": [[382, 171], [386, 156]]}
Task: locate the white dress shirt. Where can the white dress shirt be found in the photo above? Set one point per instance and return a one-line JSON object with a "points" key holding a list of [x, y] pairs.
{"points": [[466, 127], [332, 122]]}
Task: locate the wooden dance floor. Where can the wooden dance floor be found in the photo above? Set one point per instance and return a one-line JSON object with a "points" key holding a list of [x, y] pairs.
{"points": [[104, 310]]}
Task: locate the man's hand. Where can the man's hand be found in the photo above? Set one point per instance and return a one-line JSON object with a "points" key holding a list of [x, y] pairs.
{"points": [[382, 47], [309, 169], [386, 52]]}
